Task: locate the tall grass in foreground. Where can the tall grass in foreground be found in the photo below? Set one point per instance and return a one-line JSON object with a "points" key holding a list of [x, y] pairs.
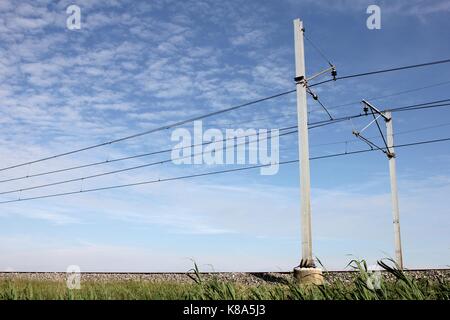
{"points": [[394, 284]]}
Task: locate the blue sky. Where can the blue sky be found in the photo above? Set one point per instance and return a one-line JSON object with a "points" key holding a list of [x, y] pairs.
{"points": [[136, 65]]}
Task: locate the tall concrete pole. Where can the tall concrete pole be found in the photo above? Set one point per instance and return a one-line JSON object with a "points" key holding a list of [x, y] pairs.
{"points": [[303, 145], [394, 192]]}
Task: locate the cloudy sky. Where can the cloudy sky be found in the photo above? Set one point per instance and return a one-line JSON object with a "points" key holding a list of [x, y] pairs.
{"points": [[137, 65]]}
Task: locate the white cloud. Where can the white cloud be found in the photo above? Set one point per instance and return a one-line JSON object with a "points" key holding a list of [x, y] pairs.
{"points": [[418, 8]]}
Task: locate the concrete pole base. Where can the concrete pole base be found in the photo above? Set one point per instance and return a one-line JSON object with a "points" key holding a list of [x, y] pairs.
{"points": [[308, 276]]}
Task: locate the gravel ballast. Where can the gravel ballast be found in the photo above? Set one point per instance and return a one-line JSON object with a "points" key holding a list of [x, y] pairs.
{"points": [[245, 278]]}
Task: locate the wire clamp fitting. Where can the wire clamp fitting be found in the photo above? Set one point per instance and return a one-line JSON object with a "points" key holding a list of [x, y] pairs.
{"points": [[313, 95], [301, 80], [333, 72]]}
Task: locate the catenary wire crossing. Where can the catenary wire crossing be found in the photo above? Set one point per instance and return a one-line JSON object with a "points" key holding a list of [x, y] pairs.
{"points": [[214, 172]]}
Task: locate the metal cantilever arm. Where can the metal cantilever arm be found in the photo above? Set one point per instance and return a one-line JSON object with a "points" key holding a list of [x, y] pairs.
{"points": [[369, 143]]}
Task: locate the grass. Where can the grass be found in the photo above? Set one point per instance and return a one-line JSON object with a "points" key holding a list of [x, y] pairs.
{"points": [[398, 285]]}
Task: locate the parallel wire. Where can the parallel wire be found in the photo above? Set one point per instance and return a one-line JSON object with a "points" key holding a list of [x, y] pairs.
{"points": [[312, 125], [175, 124], [133, 167], [369, 150], [373, 137], [213, 172], [130, 157], [420, 107], [355, 75], [390, 95]]}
